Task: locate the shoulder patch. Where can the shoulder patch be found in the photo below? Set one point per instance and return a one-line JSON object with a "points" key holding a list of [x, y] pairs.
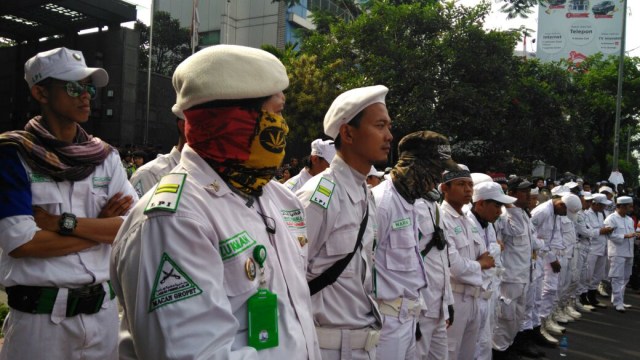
{"points": [[138, 188], [401, 224], [291, 183], [324, 191], [167, 194], [171, 284]]}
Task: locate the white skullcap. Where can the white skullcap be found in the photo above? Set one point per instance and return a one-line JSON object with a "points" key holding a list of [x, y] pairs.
{"points": [[323, 148], [573, 204], [374, 172], [624, 200], [605, 189], [62, 64], [480, 178], [560, 190], [491, 191], [601, 199], [571, 184], [348, 104], [227, 72]]}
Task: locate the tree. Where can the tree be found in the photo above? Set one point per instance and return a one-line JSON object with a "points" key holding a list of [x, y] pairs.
{"points": [[171, 44]]}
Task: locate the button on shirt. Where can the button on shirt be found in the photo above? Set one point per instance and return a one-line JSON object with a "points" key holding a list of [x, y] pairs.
{"points": [[332, 232], [399, 267], [515, 230], [437, 295], [618, 245], [465, 248], [84, 198], [595, 220], [210, 241], [148, 175]]}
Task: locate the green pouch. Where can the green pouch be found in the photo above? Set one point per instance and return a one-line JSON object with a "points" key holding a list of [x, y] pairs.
{"points": [[262, 315]]}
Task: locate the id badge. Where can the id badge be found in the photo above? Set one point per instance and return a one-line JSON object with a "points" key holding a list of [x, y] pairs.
{"points": [[262, 314]]}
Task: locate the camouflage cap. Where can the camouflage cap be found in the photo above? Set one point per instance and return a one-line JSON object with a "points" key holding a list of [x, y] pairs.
{"points": [[429, 145]]}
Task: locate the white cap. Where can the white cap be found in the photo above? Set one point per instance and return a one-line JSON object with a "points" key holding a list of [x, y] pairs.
{"points": [[323, 148], [601, 199], [491, 191], [587, 195], [480, 178], [573, 204], [624, 200], [560, 190], [227, 72], [605, 189], [535, 191], [348, 104], [62, 64], [374, 172], [571, 184]]}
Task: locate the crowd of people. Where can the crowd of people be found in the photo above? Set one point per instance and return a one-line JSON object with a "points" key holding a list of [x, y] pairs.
{"points": [[217, 251]]}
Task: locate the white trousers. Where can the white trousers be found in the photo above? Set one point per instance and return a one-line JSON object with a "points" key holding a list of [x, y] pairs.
{"points": [[397, 339], [619, 273], [433, 344], [483, 346], [42, 336], [595, 270], [583, 267], [550, 283], [463, 334], [511, 313]]}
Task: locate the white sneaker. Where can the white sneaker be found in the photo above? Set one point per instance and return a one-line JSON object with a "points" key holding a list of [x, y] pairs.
{"points": [[602, 291], [547, 336], [626, 306], [620, 308], [569, 310], [582, 308], [560, 318]]}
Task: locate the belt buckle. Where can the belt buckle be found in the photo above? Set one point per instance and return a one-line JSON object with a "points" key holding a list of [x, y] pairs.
{"points": [[373, 337], [86, 300]]}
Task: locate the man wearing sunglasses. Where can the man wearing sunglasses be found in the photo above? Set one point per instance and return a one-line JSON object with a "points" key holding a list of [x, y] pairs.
{"points": [[63, 193]]}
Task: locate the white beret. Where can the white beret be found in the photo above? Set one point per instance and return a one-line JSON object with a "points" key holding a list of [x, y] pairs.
{"points": [[227, 72], [348, 104]]}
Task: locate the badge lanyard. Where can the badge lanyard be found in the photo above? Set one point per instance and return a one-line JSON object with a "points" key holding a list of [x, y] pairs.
{"points": [[262, 307]]}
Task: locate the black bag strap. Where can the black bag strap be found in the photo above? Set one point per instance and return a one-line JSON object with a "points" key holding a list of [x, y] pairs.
{"points": [[431, 243], [331, 274]]}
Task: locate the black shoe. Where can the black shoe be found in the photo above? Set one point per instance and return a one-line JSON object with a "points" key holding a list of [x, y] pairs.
{"points": [[525, 346], [499, 355], [593, 299], [584, 300]]}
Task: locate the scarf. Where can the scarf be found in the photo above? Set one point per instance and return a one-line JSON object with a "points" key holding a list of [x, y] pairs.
{"points": [[245, 147], [413, 177], [60, 160]]}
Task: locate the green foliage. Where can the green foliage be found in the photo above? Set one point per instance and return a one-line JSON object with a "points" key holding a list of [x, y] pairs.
{"points": [[171, 44], [4, 311]]}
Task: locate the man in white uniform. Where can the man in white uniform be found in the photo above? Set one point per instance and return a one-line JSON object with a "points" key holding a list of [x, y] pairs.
{"points": [[488, 200], [150, 173], [211, 262], [596, 259], [620, 249], [585, 234], [468, 257], [322, 153], [400, 271], [341, 223], [63, 192]]}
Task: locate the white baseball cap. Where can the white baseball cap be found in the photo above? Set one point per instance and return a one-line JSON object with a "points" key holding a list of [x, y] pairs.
{"points": [[348, 104], [587, 195], [326, 149], [605, 189], [573, 204], [491, 191], [374, 172], [601, 199], [62, 64], [227, 72]]}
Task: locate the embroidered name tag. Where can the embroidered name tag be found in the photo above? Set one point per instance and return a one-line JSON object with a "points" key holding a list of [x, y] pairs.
{"points": [[235, 245], [401, 224], [322, 194], [166, 195], [101, 181], [457, 230], [39, 178], [293, 218]]}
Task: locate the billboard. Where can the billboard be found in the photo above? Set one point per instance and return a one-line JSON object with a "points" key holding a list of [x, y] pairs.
{"points": [[575, 29]]}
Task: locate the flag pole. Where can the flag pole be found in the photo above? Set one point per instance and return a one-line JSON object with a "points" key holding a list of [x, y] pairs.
{"points": [[146, 123], [616, 136]]}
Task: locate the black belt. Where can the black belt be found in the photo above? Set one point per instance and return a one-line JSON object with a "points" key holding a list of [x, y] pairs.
{"points": [[40, 299]]}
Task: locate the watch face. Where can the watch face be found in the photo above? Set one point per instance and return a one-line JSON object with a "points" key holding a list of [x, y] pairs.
{"points": [[68, 223]]}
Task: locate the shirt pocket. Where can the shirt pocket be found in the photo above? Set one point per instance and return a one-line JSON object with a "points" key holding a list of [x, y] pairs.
{"points": [[45, 194], [238, 272], [340, 245], [401, 254]]}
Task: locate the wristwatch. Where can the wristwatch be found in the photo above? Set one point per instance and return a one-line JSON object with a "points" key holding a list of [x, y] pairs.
{"points": [[67, 223]]}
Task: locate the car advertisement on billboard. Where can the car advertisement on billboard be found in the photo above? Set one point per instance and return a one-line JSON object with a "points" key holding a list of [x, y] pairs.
{"points": [[575, 29]]}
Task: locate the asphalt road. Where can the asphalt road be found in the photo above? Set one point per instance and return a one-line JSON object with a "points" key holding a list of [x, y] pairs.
{"points": [[604, 334]]}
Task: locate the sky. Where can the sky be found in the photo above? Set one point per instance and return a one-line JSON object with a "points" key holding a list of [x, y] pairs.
{"points": [[495, 20]]}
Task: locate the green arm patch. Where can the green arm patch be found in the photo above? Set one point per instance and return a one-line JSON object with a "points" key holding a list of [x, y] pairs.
{"points": [[324, 191], [166, 196], [171, 284]]}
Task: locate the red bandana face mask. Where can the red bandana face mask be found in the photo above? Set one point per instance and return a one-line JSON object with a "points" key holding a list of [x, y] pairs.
{"points": [[244, 146]]}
